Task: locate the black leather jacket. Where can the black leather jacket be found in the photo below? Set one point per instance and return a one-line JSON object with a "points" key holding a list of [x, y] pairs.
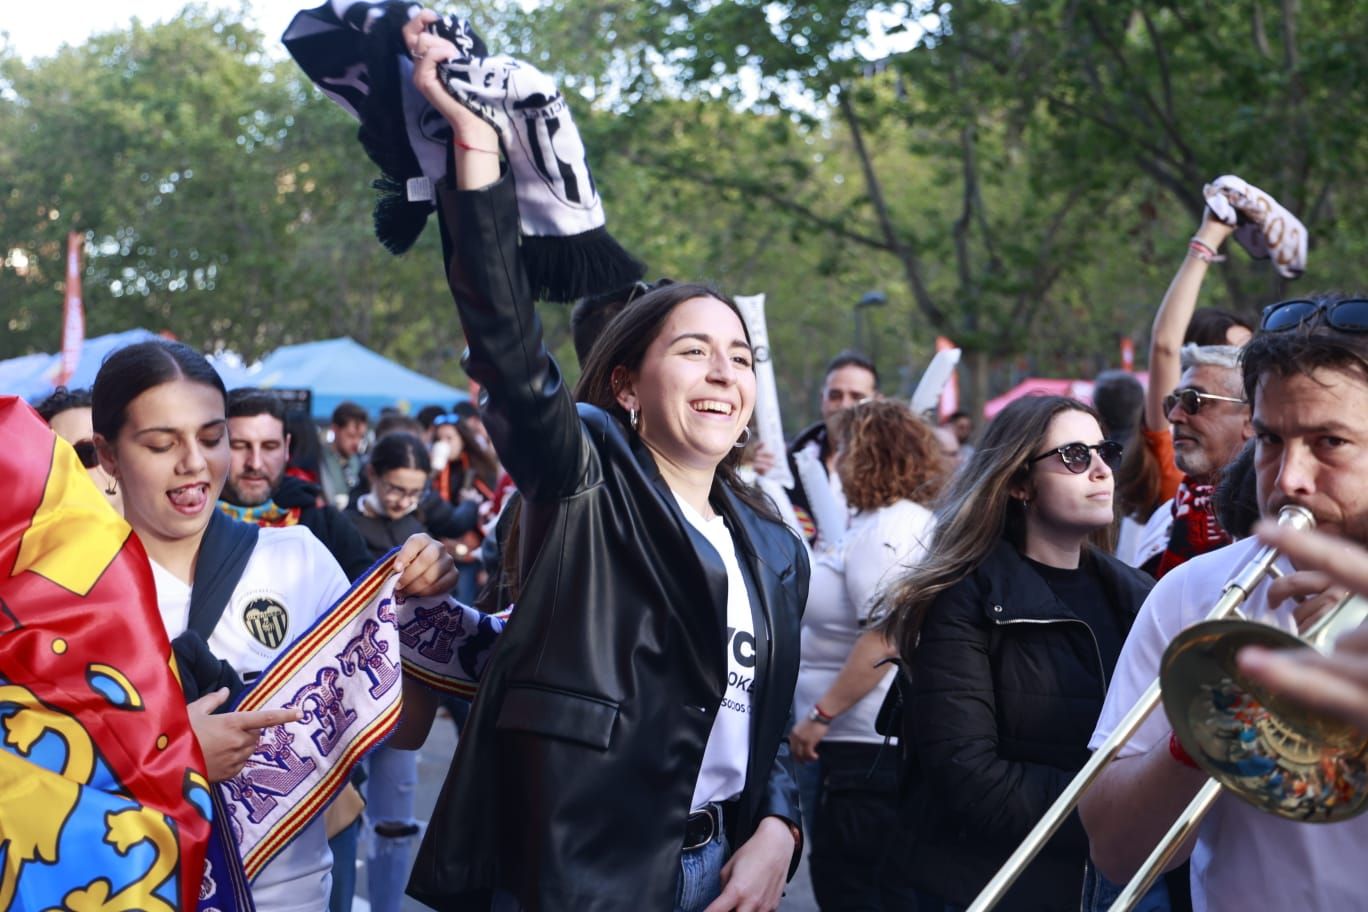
{"points": [[1007, 685], [574, 775]]}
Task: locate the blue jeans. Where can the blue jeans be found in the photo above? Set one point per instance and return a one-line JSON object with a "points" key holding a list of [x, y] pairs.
{"points": [[1099, 894], [343, 847], [700, 875], [390, 784]]}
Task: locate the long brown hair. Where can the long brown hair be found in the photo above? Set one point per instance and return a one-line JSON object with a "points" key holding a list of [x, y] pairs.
{"points": [[975, 512], [887, 454], [623, 344]]}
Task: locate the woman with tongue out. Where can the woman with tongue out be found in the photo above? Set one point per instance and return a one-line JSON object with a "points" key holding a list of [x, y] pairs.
{"points": [[625, 749], [159, 413]]}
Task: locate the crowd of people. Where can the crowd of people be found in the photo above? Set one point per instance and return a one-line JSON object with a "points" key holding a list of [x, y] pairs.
{"points": [[897, 670]]}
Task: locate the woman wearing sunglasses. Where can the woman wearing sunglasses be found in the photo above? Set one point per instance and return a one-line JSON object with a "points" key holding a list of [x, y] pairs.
{"points": [[1011, 626]]}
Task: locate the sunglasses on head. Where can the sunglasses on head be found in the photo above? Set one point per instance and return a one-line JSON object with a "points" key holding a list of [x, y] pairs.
{"points": [[1192, 400], [446, 419], [1349, 315], [1078, 456], [85, 451]]}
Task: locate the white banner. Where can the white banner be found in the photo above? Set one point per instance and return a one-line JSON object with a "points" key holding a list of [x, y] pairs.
{"points": [[767, 421]]}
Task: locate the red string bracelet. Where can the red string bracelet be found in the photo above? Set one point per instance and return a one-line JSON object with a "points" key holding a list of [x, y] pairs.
{"points": [[470, 148]]}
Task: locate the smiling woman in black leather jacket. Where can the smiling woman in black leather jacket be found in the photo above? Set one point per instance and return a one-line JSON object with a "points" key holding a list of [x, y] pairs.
{"points": [[1010, 629], [649, 665]]}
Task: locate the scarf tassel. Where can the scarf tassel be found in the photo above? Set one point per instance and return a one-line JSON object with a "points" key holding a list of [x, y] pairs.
{"points": [[566, 268]]}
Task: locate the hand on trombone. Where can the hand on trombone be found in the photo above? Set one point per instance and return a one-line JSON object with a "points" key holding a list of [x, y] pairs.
{"points": [[1338, 683]]}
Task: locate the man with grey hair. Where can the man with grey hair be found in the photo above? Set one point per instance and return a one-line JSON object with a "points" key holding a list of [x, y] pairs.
{"points": [[1211, 422]]}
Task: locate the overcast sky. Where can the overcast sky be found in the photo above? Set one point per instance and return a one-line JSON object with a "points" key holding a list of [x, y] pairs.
{"points": [[35, 30]]}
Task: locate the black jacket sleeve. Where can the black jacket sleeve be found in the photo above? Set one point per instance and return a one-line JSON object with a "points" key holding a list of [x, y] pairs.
{"points": [[953, 708], [530, 414]]}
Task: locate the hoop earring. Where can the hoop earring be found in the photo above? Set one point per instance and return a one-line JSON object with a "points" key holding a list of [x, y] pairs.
{"points": [[632, 418], [741, 444]]}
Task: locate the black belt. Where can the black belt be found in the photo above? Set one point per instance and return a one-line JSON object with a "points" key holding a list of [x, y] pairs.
{"points": [[702, 827]]}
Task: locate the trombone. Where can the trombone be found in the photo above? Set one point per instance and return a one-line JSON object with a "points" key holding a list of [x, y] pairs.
{"points": [[1272, 755]]}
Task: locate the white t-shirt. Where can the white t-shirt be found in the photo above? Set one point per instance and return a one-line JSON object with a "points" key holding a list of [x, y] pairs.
{"points": [[1154, 537], [846, 583], [727, 754], [289, 581], [1244, 858]]}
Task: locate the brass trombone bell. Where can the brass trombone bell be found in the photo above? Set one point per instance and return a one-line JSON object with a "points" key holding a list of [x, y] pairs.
{"points": [[1273, 753]]}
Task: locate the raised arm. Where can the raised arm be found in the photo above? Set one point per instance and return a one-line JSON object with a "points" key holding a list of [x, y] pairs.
{"points": [[1171, 322], [530, 414]]}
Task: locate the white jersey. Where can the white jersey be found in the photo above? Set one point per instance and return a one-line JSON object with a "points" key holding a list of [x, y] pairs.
{"points": [[289, 581], [1244, 858]]}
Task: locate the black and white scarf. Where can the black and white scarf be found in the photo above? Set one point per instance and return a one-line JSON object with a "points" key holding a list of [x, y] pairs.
{"points": [[353, 51]]}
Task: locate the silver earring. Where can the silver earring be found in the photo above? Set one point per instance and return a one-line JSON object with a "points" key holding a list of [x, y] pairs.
{"points": [[741, 444], [632, 418]]}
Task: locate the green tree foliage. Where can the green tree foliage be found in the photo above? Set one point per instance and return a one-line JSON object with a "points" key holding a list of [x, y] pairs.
{"points": [[221, 197], [1019, 176]]}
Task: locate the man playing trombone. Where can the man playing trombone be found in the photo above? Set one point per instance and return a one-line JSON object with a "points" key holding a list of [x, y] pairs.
{"points": [[1306, 373]]}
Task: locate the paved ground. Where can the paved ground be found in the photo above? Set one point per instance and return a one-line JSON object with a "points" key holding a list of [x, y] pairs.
{"points": [[433, 761]]}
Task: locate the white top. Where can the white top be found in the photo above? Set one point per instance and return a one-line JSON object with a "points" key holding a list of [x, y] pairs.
{"points": [[1245, 858], [289, 581], [727, 754], [1154, 537], [845, 586]]}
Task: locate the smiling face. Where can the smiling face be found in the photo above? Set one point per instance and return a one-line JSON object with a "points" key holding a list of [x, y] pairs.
{"points": [[1206, 442], [695, 389], [260, 449], [171, 458], [1312, 448], [1060, 501]]}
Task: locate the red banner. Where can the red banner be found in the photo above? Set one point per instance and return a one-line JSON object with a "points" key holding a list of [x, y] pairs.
{"points": [[73, 314]]}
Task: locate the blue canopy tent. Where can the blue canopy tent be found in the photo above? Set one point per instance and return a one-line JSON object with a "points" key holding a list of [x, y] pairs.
{"points": [[33, 377], [342, 369]]}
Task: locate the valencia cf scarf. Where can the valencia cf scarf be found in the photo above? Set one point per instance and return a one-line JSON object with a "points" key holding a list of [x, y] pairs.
{"points": [[353, 51]]}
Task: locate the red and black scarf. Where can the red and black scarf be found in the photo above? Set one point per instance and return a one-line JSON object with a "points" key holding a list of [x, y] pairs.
{"points": [[1196, 530]]}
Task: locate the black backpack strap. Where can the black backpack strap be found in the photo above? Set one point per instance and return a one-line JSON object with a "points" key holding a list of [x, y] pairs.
{"points": [[224, 552]]}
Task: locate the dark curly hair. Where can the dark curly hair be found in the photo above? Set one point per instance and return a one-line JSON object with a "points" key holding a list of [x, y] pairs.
{"points": [[62, 400]]}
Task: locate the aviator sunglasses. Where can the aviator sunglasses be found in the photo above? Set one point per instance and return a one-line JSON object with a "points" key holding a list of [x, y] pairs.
{"points": [[1192, 400], [1078, 456], [1349, 315]]}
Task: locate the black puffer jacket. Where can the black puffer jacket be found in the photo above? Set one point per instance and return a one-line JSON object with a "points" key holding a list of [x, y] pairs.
{"points": [[1007, 685]]}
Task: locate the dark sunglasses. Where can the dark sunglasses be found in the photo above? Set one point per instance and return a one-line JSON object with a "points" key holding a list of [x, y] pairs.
{"points": [[1349, 315], [1192, 400], [85, 451], [446, 419], [1078, 456]]}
